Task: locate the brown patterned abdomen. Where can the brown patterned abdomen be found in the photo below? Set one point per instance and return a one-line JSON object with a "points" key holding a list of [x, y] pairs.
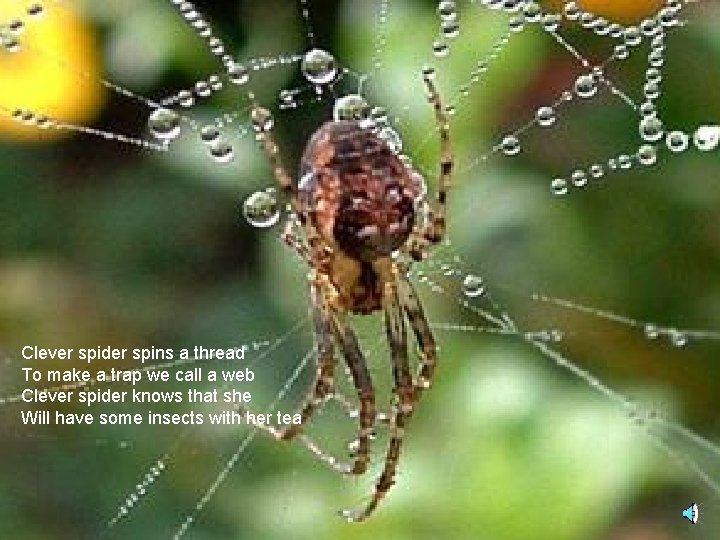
{"points": [[357, 192]]}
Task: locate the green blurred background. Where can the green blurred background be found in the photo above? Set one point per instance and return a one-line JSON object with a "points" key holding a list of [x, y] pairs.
{"points": [[103, 244]]}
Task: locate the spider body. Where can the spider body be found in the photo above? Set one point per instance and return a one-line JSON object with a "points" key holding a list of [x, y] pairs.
{"points": [[356, 227], [358, 195]]}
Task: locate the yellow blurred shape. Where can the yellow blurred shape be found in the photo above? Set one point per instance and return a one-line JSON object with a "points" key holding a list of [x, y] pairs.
{"points": [[622, 11], [54, 73]]}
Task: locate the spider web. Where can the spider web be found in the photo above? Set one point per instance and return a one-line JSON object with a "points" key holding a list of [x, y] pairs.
{"points": [[465, 284]]}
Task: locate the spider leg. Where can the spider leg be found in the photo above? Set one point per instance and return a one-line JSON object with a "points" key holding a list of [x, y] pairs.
{"points": [[322, 388], [405, 298], [437, 227], [366, 393], [307, 442], [434, 231], [262, 122], [423, 334], [397, 338], [402, 408], [324, 384], [291, 238]]}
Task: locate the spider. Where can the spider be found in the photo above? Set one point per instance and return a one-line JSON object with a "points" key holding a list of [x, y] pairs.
{"points": [[357, 209]]}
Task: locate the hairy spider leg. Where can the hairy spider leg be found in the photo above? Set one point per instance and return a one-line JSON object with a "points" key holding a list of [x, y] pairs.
{"points": [[397, 338], [262, 121], [402, 407], [324, 388], [354, 359], [402, 296], [324, 383], [423, 334], [434, 231], [437, 232]]}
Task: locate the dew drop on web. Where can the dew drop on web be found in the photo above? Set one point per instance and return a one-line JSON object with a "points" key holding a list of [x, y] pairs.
{"points": [[585, 86], [164, 124], [350, 107], [706, 138], [319, 66], [261, 209], [473, 286]]}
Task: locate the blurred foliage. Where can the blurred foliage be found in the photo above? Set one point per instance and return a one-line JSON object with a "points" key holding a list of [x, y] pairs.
{"points": [[103, 244]]}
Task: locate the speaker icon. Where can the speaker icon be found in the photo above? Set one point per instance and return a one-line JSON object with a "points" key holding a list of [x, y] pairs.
{"points": [[692, 513]]}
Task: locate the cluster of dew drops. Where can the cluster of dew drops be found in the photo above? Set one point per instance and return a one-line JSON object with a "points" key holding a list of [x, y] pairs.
{"points": [[320, 68], [11, 31], [262, 208], [655, 137]]}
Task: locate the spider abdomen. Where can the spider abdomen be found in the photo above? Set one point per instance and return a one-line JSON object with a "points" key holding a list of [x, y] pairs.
{"points": [[357, 191]]}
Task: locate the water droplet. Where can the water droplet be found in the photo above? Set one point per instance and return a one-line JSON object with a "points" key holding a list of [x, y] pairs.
{"points": [[651, 129], [379, 116], [597, 171], [238, 73], [632, 36], [651, 331], [185, 98], [667, 17], [572, 10], [319, 66], [473, 286], [579, 178], [545, 116], [677, 338], [209, 134], [392, 137], [164, 124], [43, 122], [510, 145], [647, 155], [261, 209], [516, 24], [587, 19], [447, 10], [532, 12], [450, 29], [440, 49], [551, 21], [221, 151], [651, 90], [215, 83], [559, 187], [34, 10], [350, 107], [16, 27], [9, 42], [216, 46], [647, 108], [202, 89], [649, 27], [585, 86], [707, 138], [677, 141], [653, 75]]}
